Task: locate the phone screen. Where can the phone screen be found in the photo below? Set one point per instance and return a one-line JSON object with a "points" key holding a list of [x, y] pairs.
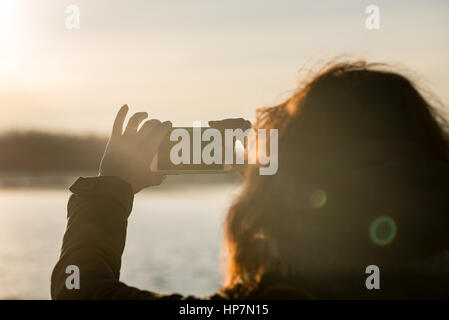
{"points": [[166, 166]]}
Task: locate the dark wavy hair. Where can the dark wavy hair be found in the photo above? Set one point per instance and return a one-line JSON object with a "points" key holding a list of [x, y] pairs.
{"points": [[343, 105]]}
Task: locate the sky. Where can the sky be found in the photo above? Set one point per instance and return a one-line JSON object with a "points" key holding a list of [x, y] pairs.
{"points": [[195, 60]]}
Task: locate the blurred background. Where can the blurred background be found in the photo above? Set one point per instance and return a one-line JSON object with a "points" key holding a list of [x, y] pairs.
{"points": [[180, 61]]}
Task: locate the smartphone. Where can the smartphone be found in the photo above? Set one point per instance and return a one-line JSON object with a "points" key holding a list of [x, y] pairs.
{"points": [[163, 164]]}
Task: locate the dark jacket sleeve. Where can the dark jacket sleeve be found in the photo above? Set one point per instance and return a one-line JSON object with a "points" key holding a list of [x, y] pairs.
{"points": [[94, 240]]}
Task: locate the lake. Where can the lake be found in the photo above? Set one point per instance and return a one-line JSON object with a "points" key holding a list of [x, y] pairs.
{"points": [[173, 243]]}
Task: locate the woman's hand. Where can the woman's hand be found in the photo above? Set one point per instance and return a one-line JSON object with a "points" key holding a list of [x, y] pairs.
{"points": [[238, 123], [128, 154]]}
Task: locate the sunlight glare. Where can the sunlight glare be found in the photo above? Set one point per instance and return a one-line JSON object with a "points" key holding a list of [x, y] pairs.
{"points": [[11, 36]]}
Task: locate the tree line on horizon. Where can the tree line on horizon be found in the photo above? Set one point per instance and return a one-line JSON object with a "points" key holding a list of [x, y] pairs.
{"points": [[39, 151], [42, 153]]}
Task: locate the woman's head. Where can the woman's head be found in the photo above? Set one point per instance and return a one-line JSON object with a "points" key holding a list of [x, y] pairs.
{"points": [[344, 121]]}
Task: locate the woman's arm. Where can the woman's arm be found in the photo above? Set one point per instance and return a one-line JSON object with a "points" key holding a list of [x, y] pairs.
{"points": [[94, 240], [98, 212]]}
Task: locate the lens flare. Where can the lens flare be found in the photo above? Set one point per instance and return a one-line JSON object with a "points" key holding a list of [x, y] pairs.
{"points": [[383, 230], [318, 199]]}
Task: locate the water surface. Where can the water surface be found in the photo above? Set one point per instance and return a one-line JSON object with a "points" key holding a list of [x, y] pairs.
{"points": [[173, 243]]}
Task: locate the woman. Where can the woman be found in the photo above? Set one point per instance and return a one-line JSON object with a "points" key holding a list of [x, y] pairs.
{"points": [[362, 180]]}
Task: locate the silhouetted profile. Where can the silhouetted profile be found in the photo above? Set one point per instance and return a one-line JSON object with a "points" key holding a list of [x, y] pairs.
{"points": [[363, 180]]}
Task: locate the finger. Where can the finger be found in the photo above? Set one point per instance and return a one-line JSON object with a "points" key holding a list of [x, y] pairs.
{"points": [[117, 128], [159, 132], [154, 137], [148, 126], [238, 123], [134, 122], [230, 121], [248, 124]]}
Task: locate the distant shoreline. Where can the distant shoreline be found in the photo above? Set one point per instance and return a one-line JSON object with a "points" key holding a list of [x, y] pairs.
{"points": [[48, 160], [62, 180]]}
